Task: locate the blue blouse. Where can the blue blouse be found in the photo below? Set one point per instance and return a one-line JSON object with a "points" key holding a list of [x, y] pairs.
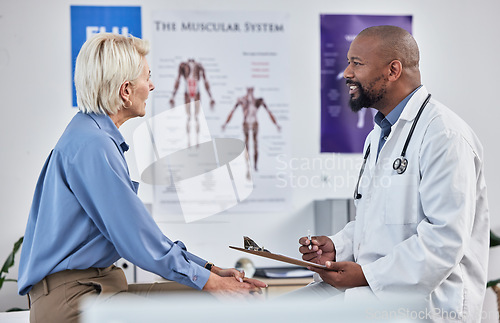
{"points": [[86, 213]]}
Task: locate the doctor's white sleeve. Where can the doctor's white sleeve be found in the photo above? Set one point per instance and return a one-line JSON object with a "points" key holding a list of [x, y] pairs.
{"points": [[343, 242], [344, 239]]}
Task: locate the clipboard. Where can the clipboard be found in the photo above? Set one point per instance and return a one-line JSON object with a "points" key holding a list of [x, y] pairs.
{"points": [[278, 257]]}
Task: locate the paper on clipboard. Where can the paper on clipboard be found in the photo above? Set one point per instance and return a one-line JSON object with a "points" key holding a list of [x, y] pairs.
{"points": [[279, 257]]}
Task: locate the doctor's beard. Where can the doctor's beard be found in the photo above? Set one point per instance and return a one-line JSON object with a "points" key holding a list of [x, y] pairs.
{"points": [[366, 97]]}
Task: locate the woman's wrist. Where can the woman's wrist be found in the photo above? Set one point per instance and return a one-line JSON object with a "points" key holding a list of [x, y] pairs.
{"points": [[212, 268], [216, 269]]}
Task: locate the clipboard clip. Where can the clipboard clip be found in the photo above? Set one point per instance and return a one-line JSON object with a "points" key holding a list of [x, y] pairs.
{"points": [[249, 244]]}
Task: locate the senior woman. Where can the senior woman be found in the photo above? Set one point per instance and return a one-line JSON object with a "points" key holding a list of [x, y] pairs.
{"points": [[86, 214]]}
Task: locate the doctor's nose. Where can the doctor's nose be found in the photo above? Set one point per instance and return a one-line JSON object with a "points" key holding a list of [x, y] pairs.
{"points": [[348, 72]]}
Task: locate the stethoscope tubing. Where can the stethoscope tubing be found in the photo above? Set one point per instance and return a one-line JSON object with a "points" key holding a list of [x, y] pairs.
{"points": [[401, 163], [414, 124]]}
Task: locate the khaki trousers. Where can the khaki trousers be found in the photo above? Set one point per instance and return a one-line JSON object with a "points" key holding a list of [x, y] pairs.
{"points": [[56, 299]]}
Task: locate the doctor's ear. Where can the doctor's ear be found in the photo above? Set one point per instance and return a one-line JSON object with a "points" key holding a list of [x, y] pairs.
{"points": [[395, 70]]}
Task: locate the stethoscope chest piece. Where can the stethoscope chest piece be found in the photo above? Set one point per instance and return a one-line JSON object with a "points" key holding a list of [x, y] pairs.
{"points": [[400, 165]]}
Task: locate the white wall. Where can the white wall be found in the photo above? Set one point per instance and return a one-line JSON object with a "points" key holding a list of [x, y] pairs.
{"points": [[459, 49]]}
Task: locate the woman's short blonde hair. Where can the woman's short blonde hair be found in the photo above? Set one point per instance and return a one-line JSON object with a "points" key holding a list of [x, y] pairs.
{"points": [[106, 61]]}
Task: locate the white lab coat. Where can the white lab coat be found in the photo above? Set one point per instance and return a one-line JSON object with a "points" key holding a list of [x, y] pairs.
{"points": [[425, 231]]}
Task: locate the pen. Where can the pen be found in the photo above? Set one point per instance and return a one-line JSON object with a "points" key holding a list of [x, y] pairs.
{"points": [[309, 238]]}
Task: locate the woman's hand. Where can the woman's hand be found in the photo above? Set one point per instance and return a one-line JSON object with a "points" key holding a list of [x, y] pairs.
{"points": [[238, 275]]}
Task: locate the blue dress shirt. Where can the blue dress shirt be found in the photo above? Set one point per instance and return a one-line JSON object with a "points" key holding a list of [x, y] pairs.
{"points": [[386, 123], [86, 213]]}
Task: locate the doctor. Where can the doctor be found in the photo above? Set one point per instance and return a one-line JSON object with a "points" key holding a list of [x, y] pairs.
{"points": [[420, 229]]}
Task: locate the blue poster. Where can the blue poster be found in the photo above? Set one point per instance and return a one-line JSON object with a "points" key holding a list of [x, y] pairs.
{"points": [[342, 130], [89, 20]]}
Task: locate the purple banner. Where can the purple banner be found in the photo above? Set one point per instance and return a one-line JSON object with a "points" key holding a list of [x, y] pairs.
{"points": [[342, 130]]}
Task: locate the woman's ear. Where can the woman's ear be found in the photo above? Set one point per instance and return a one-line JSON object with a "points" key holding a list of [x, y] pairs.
{"points": [[395, 70], [125, 91]]}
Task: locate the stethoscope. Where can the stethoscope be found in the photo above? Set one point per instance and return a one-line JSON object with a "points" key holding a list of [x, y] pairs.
{"points": [[401, 163]]}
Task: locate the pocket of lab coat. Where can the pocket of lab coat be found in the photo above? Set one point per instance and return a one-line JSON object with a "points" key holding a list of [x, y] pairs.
{"points": [[401, 199]]}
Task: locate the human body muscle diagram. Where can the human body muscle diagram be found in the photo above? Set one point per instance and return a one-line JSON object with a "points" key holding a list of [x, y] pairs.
{"points": [[193, 73], [250, 106]]}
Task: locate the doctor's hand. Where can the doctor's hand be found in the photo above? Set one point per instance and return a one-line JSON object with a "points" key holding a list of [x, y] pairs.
{"points": [[343, 274], [228, 287], [322, 249]]}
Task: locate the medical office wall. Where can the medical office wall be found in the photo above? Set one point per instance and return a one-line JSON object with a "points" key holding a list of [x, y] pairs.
{"points": [[458, 42]]}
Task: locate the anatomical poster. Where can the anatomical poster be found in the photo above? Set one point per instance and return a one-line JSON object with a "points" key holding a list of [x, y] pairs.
{"points": [[342, 130], [220, 118]]}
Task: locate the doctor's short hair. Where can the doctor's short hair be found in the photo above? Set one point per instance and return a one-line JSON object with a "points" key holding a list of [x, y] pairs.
{"points": [[104, 63]]}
